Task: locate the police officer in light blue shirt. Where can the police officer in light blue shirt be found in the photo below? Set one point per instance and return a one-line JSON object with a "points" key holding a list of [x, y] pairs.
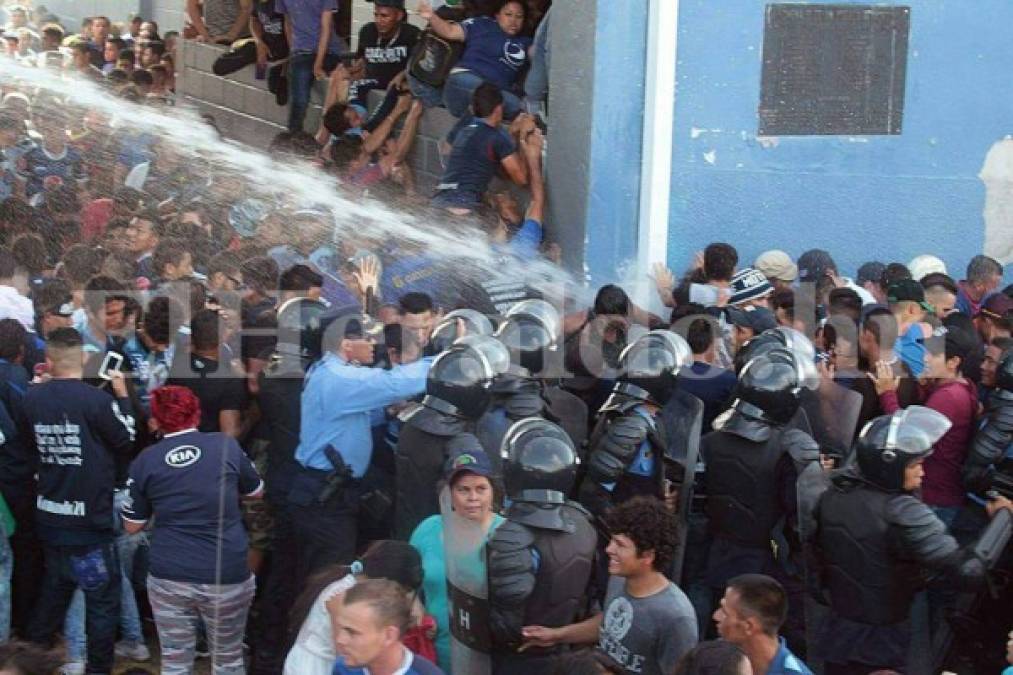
{"points": [[340, 393]]}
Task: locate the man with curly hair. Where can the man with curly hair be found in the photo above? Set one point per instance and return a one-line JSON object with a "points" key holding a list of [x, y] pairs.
{"points": [[648, 622]]}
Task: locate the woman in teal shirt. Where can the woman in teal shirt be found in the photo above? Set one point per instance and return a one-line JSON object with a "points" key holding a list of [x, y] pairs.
{"points": [[469, 511]]}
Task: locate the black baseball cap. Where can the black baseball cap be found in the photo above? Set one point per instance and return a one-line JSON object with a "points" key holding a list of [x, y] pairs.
{"points": [[396, 4], [814, 264], [908, 290], [759, 319]]}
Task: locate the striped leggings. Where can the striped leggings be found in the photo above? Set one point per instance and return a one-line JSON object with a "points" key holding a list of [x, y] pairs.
{"points": [[177, 606]]}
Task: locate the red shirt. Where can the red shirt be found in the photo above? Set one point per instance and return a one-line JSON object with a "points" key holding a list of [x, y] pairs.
{"points": [[958, 400]]}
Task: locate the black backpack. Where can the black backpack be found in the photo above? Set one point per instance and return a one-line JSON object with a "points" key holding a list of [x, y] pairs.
{"points": [[434, 57]]}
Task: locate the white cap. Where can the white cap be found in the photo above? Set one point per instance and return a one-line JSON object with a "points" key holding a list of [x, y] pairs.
{"points": [[924, 265]]}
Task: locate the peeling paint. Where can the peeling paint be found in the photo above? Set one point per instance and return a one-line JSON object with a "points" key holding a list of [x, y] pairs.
{"points": [[711, 156], [857, 139], [768, 141], [997, 175], [695, 132]]}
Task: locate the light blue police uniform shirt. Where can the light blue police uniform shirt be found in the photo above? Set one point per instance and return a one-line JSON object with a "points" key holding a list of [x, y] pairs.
{"points": [[337, 401]]}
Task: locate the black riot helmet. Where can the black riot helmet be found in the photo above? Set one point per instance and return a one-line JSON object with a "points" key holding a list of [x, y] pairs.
{"points": [[769, 387], [1004, 376], [650, 365], [529, 330], [539, 462], [460, 382], [300, 328], [889, 443], [783, 338], [445, 332]]}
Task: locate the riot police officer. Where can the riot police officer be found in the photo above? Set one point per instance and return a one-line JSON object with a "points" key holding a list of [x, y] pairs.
{"points": [[877, 539], [528, 333], [990, 460], [281, 382], [458, 392], [541, 559], [756, 469], [630, 441]]}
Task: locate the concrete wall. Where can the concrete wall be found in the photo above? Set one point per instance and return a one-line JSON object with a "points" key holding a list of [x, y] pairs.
{"points": [[863, 197]]}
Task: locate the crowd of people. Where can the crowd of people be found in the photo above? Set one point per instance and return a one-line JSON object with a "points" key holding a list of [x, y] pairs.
{"points": [[232, 428]]}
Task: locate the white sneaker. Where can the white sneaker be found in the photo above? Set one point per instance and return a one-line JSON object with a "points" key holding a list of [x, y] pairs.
{"points": [[135, 651], [73, 668]]}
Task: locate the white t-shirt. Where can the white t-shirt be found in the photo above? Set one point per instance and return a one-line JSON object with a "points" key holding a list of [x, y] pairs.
{"points": [[313, 652]]}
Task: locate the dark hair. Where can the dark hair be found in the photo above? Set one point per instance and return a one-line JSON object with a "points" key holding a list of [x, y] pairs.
{"points": [[396, 561], [714, 657], [940, 280], [81, 47], [387, 600], [893, 272], [119, 43], [49, 296], [485, 99], [64, 338], [882, 324], [101, 289], [226, 263], [1002, 343], [141, 78], [204, 329], [156, 46], [415, 303], [53, 31], [700, 335], [168, 252], [763, 597], [28, 659], [12, 338], [162, 319], [334, 119], [126, 55], [719, 261], [30, 253], [611, 300], [8, 264], [11, 122], [260, 273], [118, 76], [982, 268], [649, 525], [300, 277], [16, 212], [845, 301], [63, 199], [81, 262], [784, 299]]}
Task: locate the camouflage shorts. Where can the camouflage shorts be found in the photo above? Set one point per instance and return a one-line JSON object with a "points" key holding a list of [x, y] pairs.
{"points": [[256, 513]]}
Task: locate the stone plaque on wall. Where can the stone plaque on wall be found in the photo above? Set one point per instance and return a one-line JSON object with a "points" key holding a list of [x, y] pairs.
{"points": [[833, 69]]}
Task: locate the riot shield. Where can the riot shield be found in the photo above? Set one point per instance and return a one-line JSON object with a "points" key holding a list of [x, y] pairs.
{"points": [[467, 591], [833, 411], [682, 421]]}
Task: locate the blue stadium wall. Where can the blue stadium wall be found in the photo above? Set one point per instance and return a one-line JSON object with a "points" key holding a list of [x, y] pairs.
{"points": [[861, 197]]}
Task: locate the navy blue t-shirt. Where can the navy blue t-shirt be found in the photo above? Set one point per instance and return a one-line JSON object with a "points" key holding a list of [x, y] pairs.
{"points": [[492, 54], [477, 152], [417, 665], [81, 437], [710, 384], [180, 481]]}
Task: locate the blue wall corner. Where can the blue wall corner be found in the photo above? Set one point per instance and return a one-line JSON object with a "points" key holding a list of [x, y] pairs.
{"points": [[614, 196]]}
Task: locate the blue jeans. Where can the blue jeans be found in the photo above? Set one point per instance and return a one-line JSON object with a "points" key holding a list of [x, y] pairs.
{"points": [[461, 86], [130, 619], [300, 85], [536, 84], [95, 569], [6, 568]]}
